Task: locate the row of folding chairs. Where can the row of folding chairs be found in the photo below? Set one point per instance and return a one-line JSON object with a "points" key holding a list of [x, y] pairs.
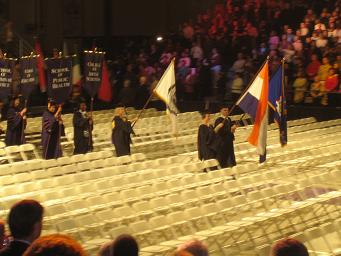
{"points": [[163, 229], [92, 182], [177, 193]]}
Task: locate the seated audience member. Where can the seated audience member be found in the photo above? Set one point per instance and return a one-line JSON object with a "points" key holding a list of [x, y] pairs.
{"points": [[53, 245], [324, 69], [300, 86], [2, 234], [25, 223], [313, 67], [194, 247], [317, 90], [237, 86], [289, 247], [127, 94], [123, 245], [332, 81]]}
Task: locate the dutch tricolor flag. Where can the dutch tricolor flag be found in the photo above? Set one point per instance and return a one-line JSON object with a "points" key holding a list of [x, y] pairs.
{"points": [[255, 102]]}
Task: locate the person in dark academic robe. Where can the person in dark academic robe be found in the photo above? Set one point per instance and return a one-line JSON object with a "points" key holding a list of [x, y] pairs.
{"points": [[206, 139], [121, 131], [52, 129], [16, 124], [2, 116], [225, 129], [82, 130]]}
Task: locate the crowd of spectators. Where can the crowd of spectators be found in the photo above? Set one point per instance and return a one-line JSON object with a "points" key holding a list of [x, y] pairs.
{"points": [[219, 53], [25, 221]]}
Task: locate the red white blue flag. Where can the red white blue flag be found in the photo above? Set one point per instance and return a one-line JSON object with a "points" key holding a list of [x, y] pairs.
{"points": [[255, 102]]}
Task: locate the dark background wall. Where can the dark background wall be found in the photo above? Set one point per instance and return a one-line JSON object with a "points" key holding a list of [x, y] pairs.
{"points": [[55, 20]]}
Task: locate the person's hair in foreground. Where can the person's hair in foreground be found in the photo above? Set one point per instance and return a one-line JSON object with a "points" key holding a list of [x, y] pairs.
{"points": [[289, 247], [53, 245], [123, 245], [25, 219], [194, 247], [181, 253]]}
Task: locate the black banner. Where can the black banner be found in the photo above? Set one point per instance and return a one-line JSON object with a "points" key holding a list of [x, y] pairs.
{"points": [[29, 75], [93, 62], [59, 78], [6, 72]]}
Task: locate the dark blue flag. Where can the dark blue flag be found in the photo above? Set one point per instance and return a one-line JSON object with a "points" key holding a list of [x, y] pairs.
{"points": [[29, 75], [93, 62], [59, 78], [277, 102], [6, 72]]}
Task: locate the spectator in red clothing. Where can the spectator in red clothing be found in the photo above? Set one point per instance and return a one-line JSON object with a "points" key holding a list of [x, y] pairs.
{"points": [[313, 67], [332, 81], [188, 31]]}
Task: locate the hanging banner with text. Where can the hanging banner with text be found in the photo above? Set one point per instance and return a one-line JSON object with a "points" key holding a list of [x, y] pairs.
{"points": [[29, 75], [59, 78], [6, 69], [93, 62]]}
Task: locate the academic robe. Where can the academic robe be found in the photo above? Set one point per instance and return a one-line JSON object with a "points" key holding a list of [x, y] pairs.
{"points": [[15, 126], [121, 136], [206, 142], [82, 133], [50, 136], [224, 141]]}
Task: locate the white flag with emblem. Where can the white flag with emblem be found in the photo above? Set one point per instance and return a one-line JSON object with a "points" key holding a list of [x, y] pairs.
{"points": [[166, 91]]}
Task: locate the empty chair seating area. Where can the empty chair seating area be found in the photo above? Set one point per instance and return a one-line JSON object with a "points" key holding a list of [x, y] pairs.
{"points": [[162, 195]]}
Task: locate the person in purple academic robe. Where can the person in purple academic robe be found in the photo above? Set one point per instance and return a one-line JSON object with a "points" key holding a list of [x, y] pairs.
{"points": [[52, 129], [16, 123]]}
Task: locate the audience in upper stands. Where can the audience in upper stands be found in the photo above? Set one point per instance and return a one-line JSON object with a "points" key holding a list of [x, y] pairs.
{"points": [[289, 247], [123, 245], [53, 245], [231, 42], [25, 224]]}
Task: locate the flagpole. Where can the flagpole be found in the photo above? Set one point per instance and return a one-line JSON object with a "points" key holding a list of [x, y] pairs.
{"points": [[282, 105], [60, 127], [91, 126], [250, 83], [150, 97], [283, 62], [23, 124], [144, 107]]}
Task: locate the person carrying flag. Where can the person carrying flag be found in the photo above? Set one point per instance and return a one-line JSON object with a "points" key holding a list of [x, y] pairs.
{"points": [[121, 130], [206, 138], [16, 123], [52, 129], [225, 129], [82, 129]]}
